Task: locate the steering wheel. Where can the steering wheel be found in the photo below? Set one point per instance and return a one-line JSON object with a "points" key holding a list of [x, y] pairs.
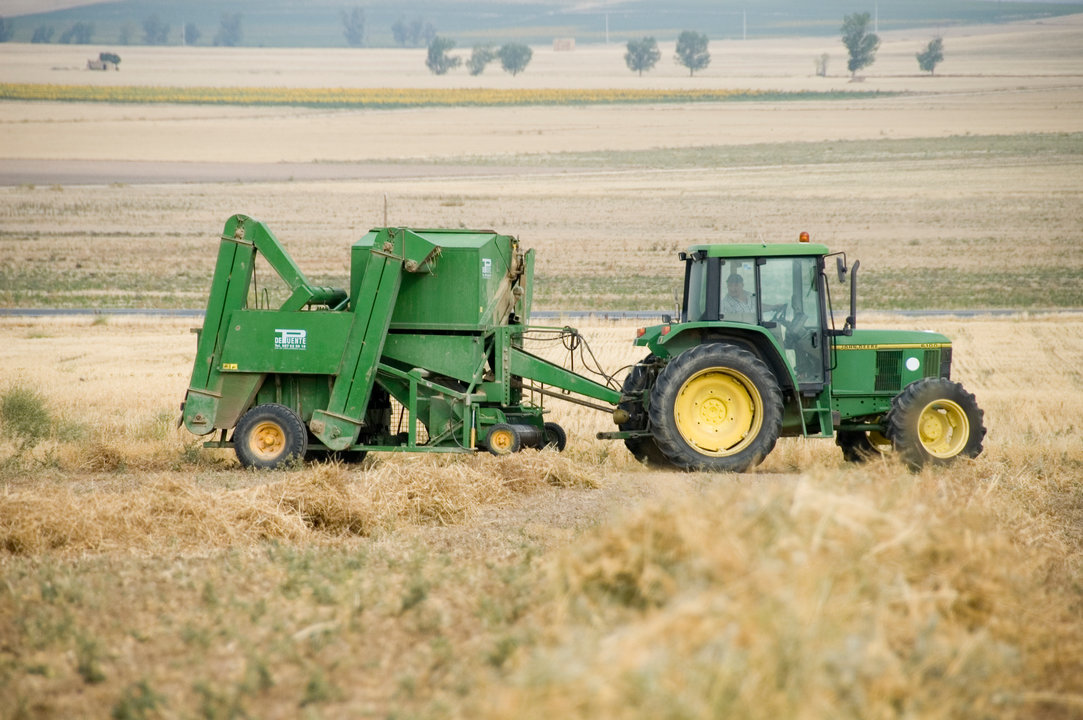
{"points": [[779, 315]]}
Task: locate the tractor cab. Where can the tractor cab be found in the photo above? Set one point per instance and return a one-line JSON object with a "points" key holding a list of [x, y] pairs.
{"points": [[777, 288]]}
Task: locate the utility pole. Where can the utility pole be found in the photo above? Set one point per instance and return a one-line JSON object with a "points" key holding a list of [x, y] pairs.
{"points": [[607, 28], [876, 18], [744, 24]]}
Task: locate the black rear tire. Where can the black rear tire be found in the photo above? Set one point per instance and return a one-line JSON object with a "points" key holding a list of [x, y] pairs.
{"points": [[639, 381], [269, 436], [716, 407], [554, 437], [935, 421]]}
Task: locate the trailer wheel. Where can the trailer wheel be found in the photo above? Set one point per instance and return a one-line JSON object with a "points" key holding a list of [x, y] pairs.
{"points": [[639, 380], [503, 439], [268, 435], [934, 421], [716, 407], [555, 437], [859, 446]]}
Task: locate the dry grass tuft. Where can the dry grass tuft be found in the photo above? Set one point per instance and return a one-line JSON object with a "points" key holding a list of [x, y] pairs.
{"points": [[322, 501], [861, 594]]}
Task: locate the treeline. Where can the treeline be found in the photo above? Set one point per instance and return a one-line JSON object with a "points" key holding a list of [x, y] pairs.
{"points": [[642, 54]]}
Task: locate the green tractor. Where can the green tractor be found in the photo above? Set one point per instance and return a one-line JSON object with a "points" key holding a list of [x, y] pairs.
{"points": [[424, 351], [756, 356]]}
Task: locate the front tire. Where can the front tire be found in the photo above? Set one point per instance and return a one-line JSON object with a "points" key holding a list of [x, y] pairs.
{"points": [[268, 435], [934, 421], [716, 407]]}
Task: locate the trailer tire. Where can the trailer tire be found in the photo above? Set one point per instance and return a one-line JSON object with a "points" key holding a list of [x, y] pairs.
{"points": [[934, 421], [554, 436], [268, 435], [503, 439], [639, 380], [716, 407]]}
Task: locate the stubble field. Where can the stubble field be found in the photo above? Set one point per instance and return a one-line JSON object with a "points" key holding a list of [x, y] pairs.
{"points": [[145, 577]]}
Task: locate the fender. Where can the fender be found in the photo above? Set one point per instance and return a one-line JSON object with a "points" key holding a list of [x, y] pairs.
{"points": [[668, 341]]}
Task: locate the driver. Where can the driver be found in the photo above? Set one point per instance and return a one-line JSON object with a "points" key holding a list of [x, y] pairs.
{"points": [[740, 306]]}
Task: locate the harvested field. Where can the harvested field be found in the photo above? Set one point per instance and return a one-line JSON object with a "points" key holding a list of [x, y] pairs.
{"points": [[521, 586], [144, 576]]}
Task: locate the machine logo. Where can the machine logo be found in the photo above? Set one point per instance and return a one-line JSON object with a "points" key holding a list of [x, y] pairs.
{"points": [[290, 339]]}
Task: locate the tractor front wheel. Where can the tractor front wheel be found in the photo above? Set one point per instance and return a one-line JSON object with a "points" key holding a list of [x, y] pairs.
{"points": [[716, 407], [934, 421], [267, 436]]}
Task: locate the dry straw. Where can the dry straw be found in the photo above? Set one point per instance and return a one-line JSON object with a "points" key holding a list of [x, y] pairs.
{"points": [[320, 502]]}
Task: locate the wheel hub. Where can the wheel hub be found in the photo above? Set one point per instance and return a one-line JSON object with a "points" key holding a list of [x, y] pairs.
{"points": [[501, 441], [943, 428], [268, 440], [718, 411]]}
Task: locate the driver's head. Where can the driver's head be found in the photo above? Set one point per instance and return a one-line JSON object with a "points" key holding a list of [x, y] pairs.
{"points": [[735, 284]]}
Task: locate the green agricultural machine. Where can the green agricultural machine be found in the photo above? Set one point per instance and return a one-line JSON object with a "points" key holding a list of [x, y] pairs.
{"points": [[425, 353], [756, 356]]}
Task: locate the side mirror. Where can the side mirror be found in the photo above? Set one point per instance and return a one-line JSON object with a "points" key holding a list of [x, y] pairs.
{"points": [[840, 266]]}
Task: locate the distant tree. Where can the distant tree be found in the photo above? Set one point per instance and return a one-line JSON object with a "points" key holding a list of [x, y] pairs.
{"points": [[480, 58], [415, 33], [7, 29], [79, 34], [229, 31], [155, 32], [514, 57], [400, 32], [860, 43], [422, 31], [353, 26], [191, 34], [109, 57], [821, 64], [642, 54], [692, 51], [932, 55], [438, 60], [42, 34]]}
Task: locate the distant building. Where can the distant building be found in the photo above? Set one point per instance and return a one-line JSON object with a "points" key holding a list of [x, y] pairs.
{"points": [[564, 44]]}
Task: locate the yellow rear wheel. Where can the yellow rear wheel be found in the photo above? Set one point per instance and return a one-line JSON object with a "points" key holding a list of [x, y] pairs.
{"points": [[718, 411], [716, 407]]}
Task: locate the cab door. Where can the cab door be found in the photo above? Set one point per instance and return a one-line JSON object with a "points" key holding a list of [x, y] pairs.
{"points": [[791, 306]]}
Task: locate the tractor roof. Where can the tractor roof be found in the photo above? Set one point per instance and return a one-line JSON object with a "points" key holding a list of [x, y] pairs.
{"points": [[761, 250]]}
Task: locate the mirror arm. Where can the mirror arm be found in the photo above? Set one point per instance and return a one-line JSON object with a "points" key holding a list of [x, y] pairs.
{"points": [[851, 321]]}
